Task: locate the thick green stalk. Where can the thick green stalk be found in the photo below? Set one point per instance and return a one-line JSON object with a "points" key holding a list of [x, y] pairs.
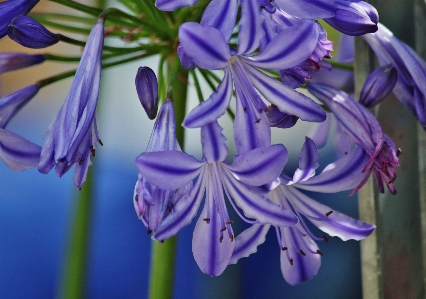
{"points": [[163, 254], [74, 272]]}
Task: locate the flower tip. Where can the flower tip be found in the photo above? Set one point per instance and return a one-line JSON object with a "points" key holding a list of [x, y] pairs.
{"points": [[147, 89]]}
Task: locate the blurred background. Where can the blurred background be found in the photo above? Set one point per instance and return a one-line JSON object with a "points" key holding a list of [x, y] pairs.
{"points": [[37, 211]]}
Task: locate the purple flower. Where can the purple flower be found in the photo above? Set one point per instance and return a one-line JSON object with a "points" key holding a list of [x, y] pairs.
{"points": [[212, 243], [363, 129], [378, 85], [72, 136], [410, 88], [354, 17], [17, 152], [153, 204], [207, 48], [15, 61], [147, 89], [300, 255], [30, 33], [12, 8], [12, 103]]}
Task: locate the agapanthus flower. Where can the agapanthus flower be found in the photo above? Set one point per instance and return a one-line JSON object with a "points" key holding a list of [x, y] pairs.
{"points": [[12, 103], [15, 61], [17, 152], [300, 255], [153, 204], [11, 9], [354, 17], [30, 33], [213, 238], [362, 128], [72, 136], [207, 48], [410, 88]]}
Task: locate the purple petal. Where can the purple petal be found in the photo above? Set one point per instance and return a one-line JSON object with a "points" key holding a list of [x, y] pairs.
{"points": [[12, 8], [335, 224], [286, 99], [307, 162], [183, 212], [256, 206], [222, 15], [250, 32], [289, 48], [378, 85], [308, 9], [259, 166], [247, 242], [213, 108], [213, 142], [171, 5], [17, 152], [211, 252], [344, 174], [205, 45], [303, 267], [168, 170], [320, 132], [147, 89], [163, 137]]}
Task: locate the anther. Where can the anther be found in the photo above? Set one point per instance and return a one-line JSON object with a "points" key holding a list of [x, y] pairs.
{"points": [[328, 213], [260, 110], [136, 197], [206, 220], [302, 252], [319, 252], [149, 231], [230, 222], [245, 108], [100, 142], [221, 239], [325, 238], [232, 238], [291, 262], [81, 161], [92, 150], [284, 248], [223, 229]]}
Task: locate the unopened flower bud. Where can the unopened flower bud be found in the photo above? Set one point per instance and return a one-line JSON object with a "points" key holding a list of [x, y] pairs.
{"points": [[30, 33], [354, 18], [15, 61], [12, 8], [378, 85], [147, 89]]}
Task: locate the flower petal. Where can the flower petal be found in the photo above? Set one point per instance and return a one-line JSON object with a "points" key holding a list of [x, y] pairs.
{"points": [[250, 32], [307, 162], [247, 242], [308, 9], [205, 45], [213, 142], [171, 5], [168, 170], [222, 15]]}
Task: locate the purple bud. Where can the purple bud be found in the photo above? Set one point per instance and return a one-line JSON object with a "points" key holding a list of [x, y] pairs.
{"points": [[378, 85], [11, 9], [12, 103], [15, 61], [354, 18], [147, 89], [30, 33]]}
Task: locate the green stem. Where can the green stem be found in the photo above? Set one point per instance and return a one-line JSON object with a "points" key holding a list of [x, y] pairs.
{"points": [[74, 275], [163, 254]]}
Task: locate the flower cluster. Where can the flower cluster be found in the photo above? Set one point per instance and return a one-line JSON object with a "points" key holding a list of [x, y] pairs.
{"points": [[265, 51]]}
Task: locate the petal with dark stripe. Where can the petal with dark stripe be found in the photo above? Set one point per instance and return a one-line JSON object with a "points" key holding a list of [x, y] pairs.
{"points": [[222, 15], [307, 162], [251, 31], [308, 9], [247, 242], [213, 142]]}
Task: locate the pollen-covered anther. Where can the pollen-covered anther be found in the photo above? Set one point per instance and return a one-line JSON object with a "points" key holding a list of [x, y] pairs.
{"points": [[319, 252], [221, 239], [223, 229], [328, 213], [325, 238], [230, 222], [136, 197], [291, 262], [284, 248], [207, 220], [302, 252]]}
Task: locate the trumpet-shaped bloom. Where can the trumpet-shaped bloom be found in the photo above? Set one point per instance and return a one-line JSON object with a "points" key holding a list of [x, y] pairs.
{"points": [[12, 103], [300, 255], [72, 136], [363, 129], [30, 33], [207, 48], [11, 9], [153, 204], [410, 88], [212, 243]]}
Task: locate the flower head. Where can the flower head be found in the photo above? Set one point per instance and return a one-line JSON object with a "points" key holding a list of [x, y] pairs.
{"points": [[72, 136]]}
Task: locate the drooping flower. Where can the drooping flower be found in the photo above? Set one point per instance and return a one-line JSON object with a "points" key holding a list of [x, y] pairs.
{"points": [[212, 243], [153, 204], [11, 9], [72, 136], [15, 61], [300, 255], [30, 33], [410, 88], [361, 126], [17, 152], [12, 103], [147, 89], [207, 48]]}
